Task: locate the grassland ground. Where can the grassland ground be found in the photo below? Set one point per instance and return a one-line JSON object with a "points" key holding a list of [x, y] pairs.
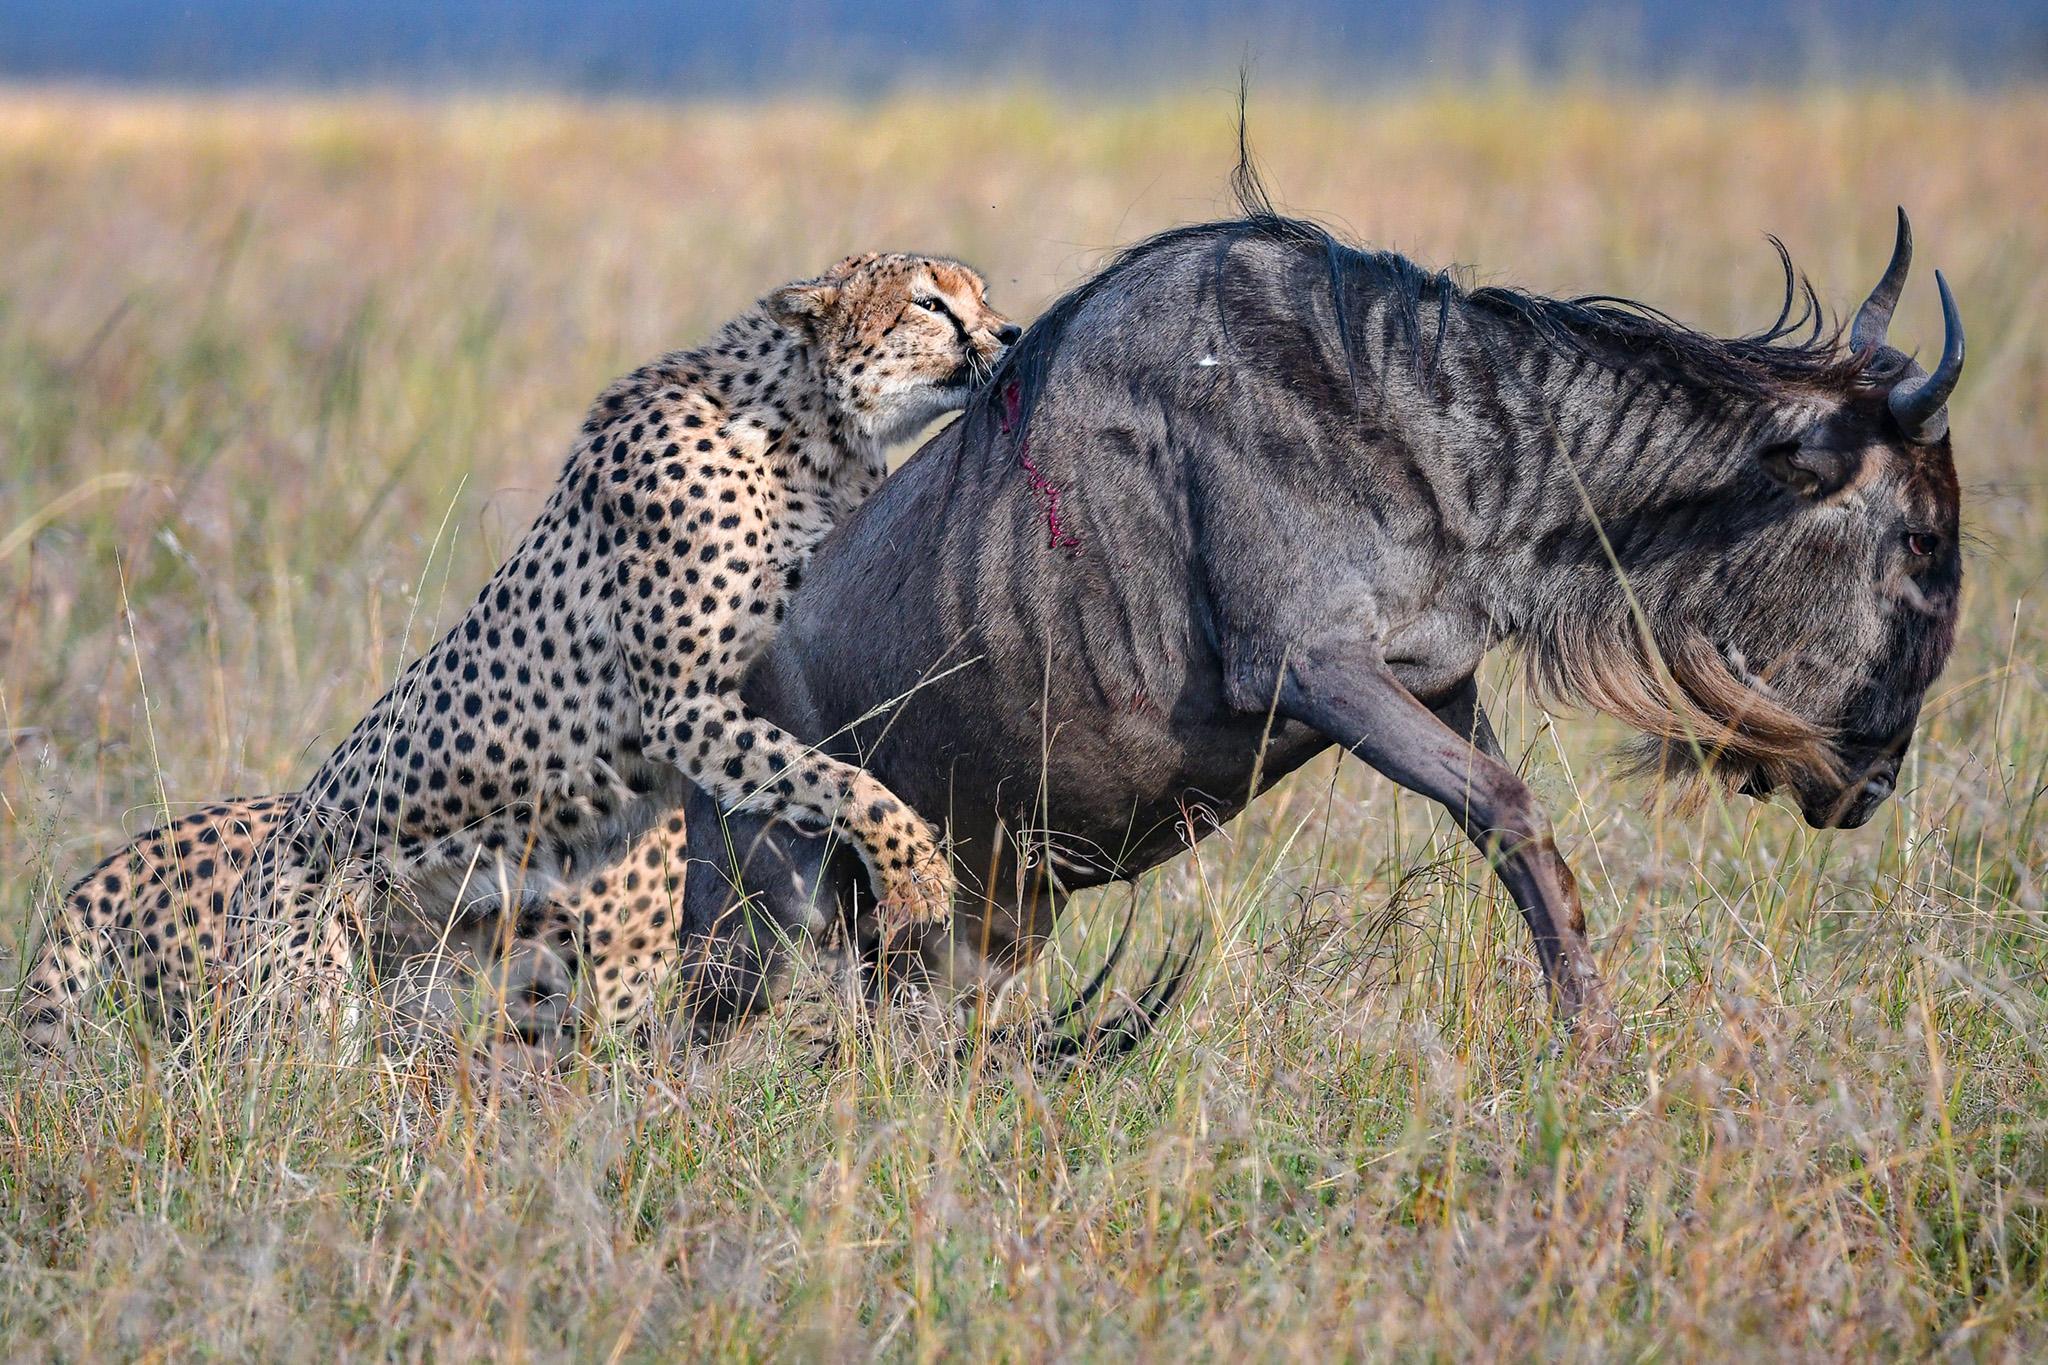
{"points": [[280, 378]]}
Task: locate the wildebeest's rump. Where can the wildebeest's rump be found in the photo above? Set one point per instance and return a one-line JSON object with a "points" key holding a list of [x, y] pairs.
{"points": [[1250, 492]]}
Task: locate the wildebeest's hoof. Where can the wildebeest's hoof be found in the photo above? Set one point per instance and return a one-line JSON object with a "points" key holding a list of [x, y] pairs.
{"points": [[1595, 1039]]}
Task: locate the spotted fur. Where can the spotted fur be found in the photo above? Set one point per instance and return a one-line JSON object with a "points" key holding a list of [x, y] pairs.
{"points": [[149, 916]]}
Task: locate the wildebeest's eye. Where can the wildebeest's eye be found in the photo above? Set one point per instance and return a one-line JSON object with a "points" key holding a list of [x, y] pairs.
{"points": [[1922, 544]]}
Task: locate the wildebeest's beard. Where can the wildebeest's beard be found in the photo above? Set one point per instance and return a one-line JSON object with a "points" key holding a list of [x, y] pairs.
{"points": [[1706, 728], [1809, 683]]}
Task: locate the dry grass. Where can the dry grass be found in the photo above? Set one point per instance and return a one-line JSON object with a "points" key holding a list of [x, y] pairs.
{"points": [[279, 379]]}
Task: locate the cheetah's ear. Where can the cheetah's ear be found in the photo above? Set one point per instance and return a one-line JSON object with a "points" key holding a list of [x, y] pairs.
{"points": [[801, 305]]}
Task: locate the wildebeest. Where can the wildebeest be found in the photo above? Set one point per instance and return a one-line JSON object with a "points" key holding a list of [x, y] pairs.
{"points": [[1251, 491]]}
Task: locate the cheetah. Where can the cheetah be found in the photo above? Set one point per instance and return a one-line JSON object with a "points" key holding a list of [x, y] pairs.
{"points": [[151, 914], [597, 673]]}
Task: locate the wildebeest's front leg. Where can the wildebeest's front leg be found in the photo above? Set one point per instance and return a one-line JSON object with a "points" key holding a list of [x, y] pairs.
{"points": [[1359, 703]]}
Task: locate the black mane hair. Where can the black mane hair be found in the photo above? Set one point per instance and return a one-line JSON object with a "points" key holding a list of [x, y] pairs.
{"points": [[1801, 348], [1798, 348]]}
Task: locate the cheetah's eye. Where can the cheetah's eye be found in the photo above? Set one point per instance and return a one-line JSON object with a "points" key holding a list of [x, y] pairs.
{"points": [[928, 303]]}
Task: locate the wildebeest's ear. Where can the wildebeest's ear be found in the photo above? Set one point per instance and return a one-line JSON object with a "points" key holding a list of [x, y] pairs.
{"points": [[1810, 469], [798, 305]]}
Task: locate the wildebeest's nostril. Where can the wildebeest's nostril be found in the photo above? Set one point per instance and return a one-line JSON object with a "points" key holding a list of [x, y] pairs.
{"points": [[1879, 786], [1008, 333]]}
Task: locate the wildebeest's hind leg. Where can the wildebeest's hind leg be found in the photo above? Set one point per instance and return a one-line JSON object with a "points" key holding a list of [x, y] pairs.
{"points": [[1356, 700], [731, 961], [1047, 1039], [968, 965]]}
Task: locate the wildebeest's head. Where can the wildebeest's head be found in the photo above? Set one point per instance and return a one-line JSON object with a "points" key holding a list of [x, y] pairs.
{"points": [[1877, 481], [1794, 655], [903, 338]]}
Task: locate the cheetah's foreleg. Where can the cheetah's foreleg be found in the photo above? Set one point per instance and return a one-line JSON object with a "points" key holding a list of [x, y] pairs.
{"points": [[748, 764]]}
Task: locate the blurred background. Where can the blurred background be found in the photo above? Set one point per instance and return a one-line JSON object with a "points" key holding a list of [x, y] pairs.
{"points": [[875, 46]]}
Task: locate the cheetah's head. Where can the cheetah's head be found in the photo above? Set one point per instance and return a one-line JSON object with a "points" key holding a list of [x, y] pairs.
{"points": [[902, 339]]}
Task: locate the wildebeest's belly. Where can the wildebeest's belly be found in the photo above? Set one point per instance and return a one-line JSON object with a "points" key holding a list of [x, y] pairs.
{"points": [[1139, 799]]}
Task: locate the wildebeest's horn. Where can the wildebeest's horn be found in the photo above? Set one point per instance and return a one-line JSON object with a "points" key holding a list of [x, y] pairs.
{"points": [[1874, 318], [1921, 405]]}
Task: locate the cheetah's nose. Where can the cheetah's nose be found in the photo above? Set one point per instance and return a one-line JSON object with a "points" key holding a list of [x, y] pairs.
{"points": [[1008, 333]]}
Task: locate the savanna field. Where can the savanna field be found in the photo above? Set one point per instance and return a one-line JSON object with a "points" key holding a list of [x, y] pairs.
{"points": [[281, 378]]}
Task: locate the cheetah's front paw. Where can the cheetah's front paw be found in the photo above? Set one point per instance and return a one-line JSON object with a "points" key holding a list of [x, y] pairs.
{"points": [[919, 894]]}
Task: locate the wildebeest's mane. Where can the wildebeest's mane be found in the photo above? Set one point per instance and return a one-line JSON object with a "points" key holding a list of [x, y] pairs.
{"points": [[1799, 349]]}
